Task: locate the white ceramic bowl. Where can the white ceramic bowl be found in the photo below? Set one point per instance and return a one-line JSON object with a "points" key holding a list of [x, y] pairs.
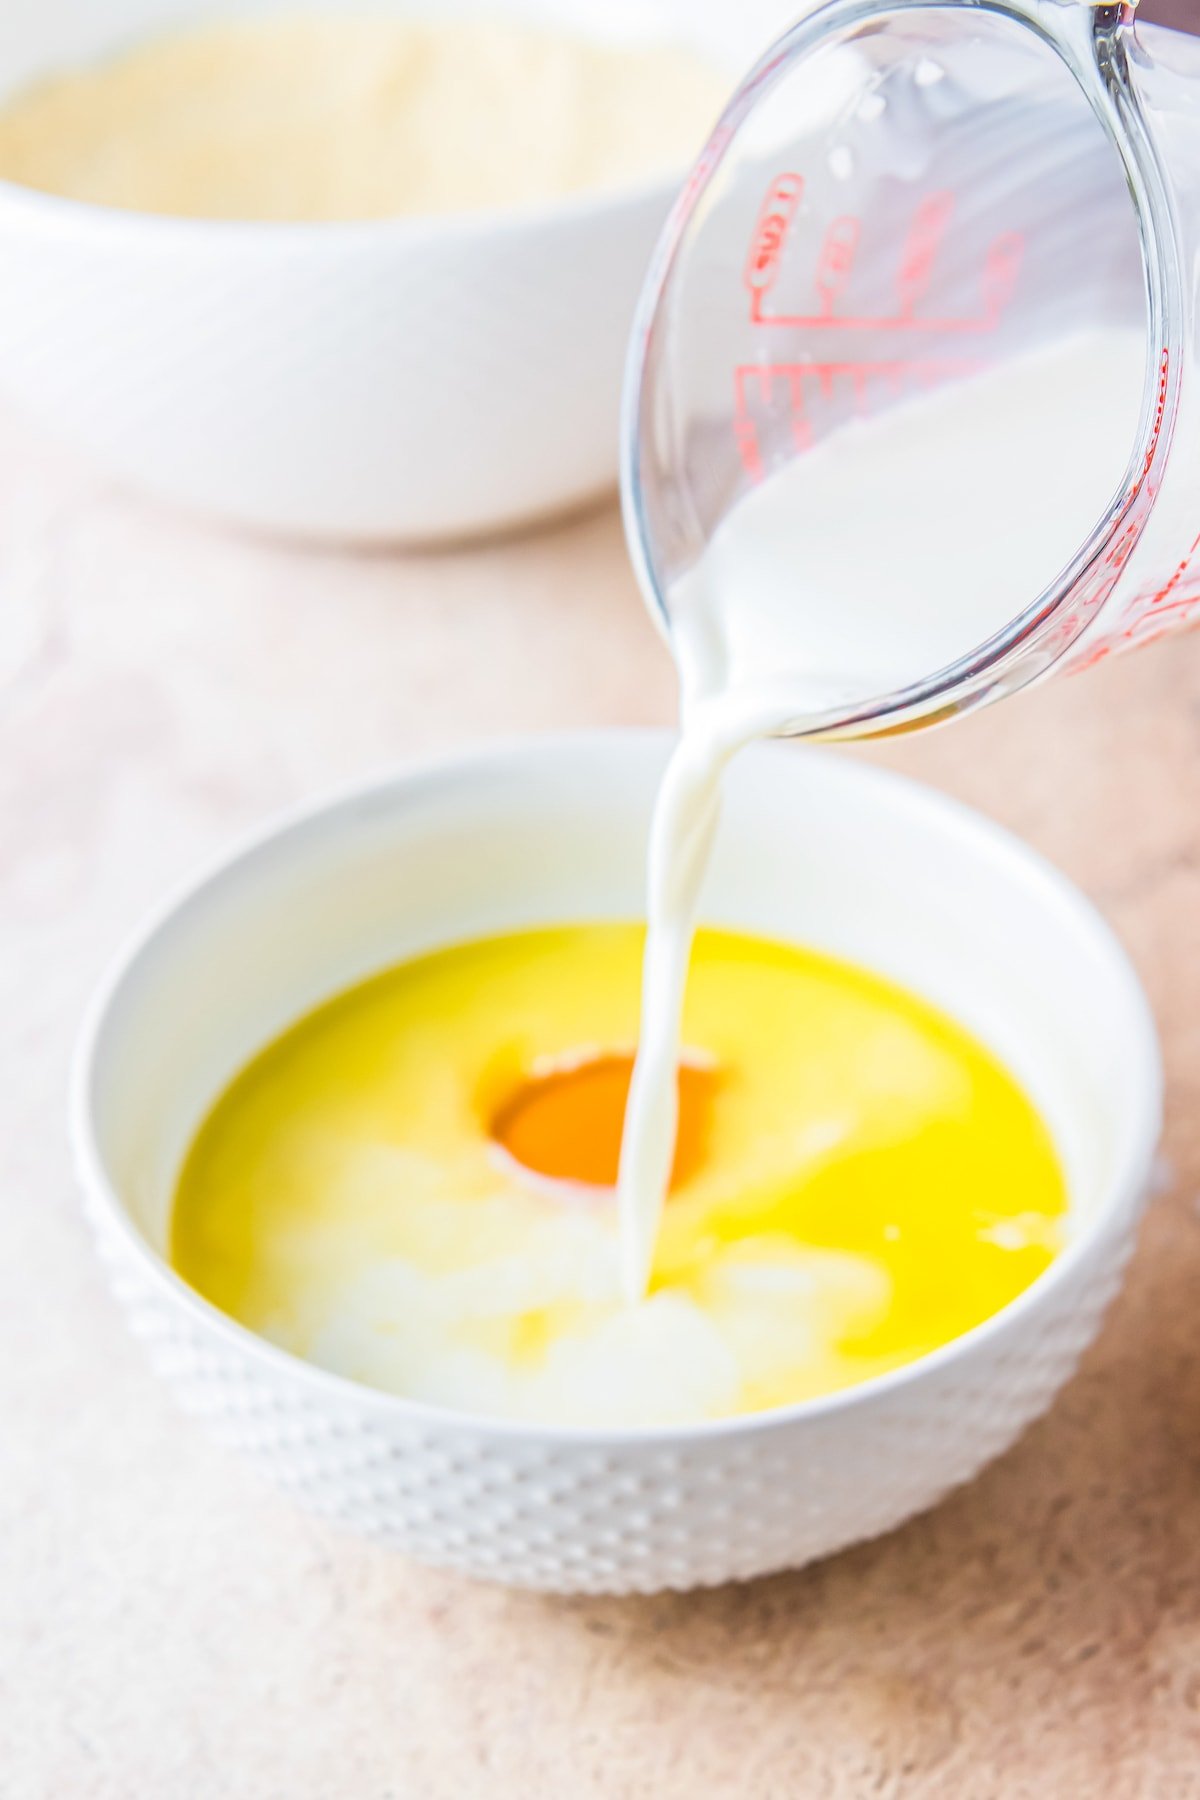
{"points": [[383, 381], [812, 847]]}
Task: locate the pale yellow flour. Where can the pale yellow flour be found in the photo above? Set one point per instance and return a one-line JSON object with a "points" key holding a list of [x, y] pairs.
{"points": [[310, 116]]}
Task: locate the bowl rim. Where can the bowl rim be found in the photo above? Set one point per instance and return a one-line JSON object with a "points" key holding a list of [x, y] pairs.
{"points": [[21, 204], [1125, 1189]]}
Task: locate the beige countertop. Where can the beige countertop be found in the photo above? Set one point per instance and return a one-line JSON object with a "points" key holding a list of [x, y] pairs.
{"points": [[169, 1628]]}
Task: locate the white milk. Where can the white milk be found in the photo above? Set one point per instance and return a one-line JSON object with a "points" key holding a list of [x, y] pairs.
{"points": [[900, 544]]}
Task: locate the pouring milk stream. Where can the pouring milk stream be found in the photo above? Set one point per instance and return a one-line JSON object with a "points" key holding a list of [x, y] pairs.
{"points": [[895, 448]]}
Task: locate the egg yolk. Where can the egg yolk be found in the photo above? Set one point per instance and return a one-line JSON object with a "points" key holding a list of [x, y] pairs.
{"points": [[566, 1124]]}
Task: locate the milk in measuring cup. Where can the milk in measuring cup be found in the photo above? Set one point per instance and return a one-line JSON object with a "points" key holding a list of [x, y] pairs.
{"points": [[790, 613]]}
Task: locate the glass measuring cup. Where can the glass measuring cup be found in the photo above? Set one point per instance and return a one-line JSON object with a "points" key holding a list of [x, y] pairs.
{"points": [[923, 324]]}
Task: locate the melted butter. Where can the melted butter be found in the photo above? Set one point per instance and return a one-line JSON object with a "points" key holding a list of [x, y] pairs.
{"points": [[407, 1186]]}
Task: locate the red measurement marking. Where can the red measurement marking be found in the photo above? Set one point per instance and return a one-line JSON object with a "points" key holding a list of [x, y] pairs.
{"points": [[836, 261], [1153, 616], [1000, 273], [770, 233], [1154, 612], [745, 431], [1155, 622], [1175, 617], [920, 252], [745, 437], [764, 382], [1164, 370], [1124, 546], [1166, 592], [802, 435], [835, 264], [895, 369]]}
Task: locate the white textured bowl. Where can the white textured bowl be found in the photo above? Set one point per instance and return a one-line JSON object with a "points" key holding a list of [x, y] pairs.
{"points": [[384, 381], [812, 847]]}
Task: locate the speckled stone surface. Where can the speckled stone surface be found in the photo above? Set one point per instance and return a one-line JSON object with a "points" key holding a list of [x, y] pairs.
{"points": [[168, 1627]]}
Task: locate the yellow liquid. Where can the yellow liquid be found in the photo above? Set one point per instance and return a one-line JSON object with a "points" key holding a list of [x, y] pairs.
{"points": [[407, 1187]]}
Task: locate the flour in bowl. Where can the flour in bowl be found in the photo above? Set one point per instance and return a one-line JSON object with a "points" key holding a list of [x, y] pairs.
{"points": [[311, 116]]}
